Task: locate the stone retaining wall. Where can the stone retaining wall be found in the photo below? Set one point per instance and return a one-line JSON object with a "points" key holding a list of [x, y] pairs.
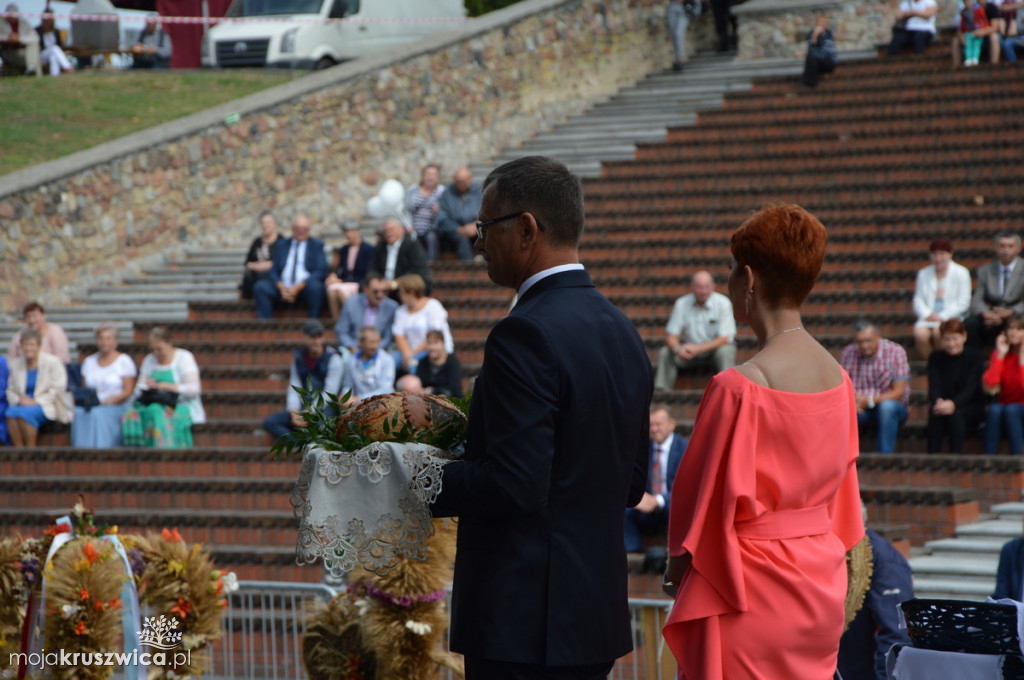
{"points": [[778, 28], [320, 144]]}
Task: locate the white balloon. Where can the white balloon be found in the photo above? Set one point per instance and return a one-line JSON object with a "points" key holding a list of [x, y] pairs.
{"points": [[376, 207], [392, 193]]}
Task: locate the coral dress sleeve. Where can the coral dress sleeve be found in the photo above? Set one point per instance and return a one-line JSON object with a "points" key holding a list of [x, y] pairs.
{"points": [[845, 508], [709, 486]]}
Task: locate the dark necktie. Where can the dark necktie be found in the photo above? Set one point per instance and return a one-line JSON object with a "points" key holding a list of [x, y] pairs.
{"points": [[1006, 281], [295, 262], [657, 475]]}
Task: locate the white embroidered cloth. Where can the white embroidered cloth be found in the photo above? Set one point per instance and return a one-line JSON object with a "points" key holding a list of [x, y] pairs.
{"points": [[366, 507]]}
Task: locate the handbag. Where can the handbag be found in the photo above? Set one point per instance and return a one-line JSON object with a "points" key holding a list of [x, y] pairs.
{"points": [[161, 397], [85, 397]]}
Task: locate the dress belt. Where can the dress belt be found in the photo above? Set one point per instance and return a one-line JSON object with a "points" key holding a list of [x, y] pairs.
{"points": [[793, 523]]}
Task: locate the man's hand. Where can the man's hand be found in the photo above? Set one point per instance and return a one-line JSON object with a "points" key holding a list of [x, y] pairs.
{"points": [[862, 402], [993, 317], [298, 420], [647, 504], [943, 407], [685, 351]]}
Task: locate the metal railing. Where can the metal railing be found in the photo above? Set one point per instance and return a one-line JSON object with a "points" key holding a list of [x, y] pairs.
{"points": [[265, 621]]}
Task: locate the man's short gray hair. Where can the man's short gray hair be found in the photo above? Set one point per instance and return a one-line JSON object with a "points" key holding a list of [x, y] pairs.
{"points": [[863, 325], [1007, 234]]}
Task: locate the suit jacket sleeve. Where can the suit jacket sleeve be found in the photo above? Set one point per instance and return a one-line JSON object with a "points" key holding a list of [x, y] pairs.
{"points": [[279, 255], [346, 328], [316, 260], [447, 216], [978, 302], [512, 476]]}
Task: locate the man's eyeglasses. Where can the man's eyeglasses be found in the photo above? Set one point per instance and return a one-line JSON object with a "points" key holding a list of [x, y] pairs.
{"points": [[482, 227]]}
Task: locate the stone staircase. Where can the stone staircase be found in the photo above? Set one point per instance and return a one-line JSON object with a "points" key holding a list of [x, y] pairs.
{"points": [[642, 113], [964, 566]]}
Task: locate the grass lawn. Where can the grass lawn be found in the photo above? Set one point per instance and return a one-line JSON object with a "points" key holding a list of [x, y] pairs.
{"points": [[46, 118]]}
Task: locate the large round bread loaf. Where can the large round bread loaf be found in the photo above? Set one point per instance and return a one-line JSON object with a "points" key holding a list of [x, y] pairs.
{"points": [[431, 419]]}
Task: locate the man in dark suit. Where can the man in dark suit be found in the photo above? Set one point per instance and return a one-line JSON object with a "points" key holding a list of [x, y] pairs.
{"points": [[1010, 572], [651, 514], [397, 253], [998, 293], [557, 448], [299, 270]]}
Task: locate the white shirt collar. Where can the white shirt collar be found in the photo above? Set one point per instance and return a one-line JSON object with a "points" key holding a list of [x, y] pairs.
{"points": [[543, 274]]}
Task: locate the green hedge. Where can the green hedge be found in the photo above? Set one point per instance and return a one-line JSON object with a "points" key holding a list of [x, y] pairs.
{"points": [[477, 7]]}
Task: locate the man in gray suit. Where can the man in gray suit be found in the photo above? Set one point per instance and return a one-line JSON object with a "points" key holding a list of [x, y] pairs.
{"points": [[998, 293]]}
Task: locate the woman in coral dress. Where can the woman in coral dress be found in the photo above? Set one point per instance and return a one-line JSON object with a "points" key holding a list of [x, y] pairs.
{"points": [[766, 501]]}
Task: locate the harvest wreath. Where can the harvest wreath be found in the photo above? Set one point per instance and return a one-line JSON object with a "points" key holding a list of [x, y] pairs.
{"points": [[79, 588]]}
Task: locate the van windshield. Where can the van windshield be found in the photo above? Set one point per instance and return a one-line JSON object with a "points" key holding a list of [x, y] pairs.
{"points": [[261, 8]]}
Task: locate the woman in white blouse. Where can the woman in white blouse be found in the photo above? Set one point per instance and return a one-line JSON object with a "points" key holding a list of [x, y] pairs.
{"points": [[942, 292], [417, 315], [112, 374], [167, 373]]}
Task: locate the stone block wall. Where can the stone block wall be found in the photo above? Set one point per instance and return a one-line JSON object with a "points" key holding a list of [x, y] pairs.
{"points": [[778, 28], [321, 144]]}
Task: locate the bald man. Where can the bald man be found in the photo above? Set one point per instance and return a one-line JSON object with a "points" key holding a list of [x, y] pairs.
{"points": [[701, 331], [456, 221]]}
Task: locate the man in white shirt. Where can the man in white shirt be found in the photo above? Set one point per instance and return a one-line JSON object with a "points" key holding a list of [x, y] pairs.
{"points": [[397, 254], [701, 331], [999, 292], [368, 371]]}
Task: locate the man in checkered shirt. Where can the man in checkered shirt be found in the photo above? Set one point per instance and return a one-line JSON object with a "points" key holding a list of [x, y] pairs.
{"points": [[881, 381]]}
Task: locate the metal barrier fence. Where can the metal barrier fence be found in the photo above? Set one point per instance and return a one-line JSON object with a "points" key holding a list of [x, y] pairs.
{"points": [[265, 621]]}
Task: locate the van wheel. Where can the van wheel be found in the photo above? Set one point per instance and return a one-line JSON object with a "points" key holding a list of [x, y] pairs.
{"points": [[325, 62]]}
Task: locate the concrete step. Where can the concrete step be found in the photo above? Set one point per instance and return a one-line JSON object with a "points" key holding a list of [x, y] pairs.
{"points": [[1002, 529], [951, 589], [979, 568], [587, 137], [1010, 511], [965, 547]]}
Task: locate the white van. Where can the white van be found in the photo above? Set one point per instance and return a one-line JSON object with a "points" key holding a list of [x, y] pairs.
{"points": [[292, 33]]}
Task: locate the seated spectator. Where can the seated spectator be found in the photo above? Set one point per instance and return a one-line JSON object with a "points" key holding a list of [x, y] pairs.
{"points": [[298, 273], [369, 370], [112, 374], [166, 399], [35, 391], [55, 341], [397, 254], [351, 265], [954, 388], [372, 307], [52, 57], [410, 382], [1005, 377], [1010, 572], [880, 373], [1011, 39], [317, 362], [19, 44], [152, 49], [979, 29], [700, 331], [456, 219], [650, 515], [942, 292], [876, 627], [417, 315], [822, 55], [441, 372], [260, 259], [4, 375], [422, 203], [998, 292], [915, 26]]}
